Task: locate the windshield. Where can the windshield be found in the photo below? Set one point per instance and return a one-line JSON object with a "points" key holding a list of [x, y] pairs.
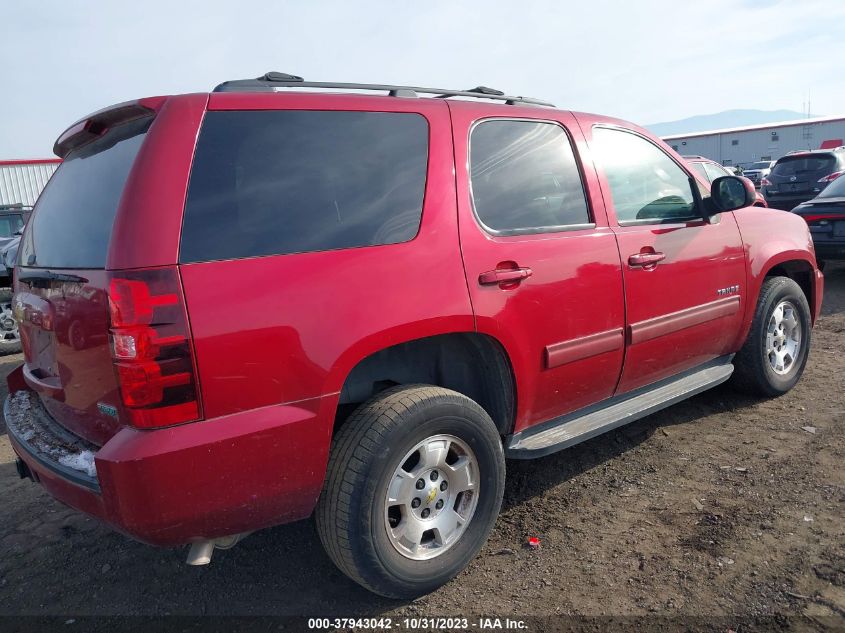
{"points": [[836, 189], [10, 224], [759, 165]]}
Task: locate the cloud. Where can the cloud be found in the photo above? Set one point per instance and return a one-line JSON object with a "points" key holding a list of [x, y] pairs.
{"points": [[645, 61]]}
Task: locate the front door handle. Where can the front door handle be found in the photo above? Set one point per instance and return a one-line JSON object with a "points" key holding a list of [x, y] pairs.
{"points": [[645, 260], [504, 276]]}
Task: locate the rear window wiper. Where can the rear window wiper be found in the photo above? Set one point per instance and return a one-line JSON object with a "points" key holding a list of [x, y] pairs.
{"points": [[46, 275]]}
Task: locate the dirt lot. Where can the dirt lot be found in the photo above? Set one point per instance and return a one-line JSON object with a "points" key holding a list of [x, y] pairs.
{"points": [[722, 505]]}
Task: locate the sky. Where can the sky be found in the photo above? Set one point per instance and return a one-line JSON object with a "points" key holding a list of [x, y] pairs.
{"points": [[641, 60]]}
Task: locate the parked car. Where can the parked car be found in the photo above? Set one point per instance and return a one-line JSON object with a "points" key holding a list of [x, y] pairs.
{"points": [[755, 172], [825, 215], [709, 170], [357, 305], [12, 220], [8, 257], [13, 217], [10, 341], [801, 176]]}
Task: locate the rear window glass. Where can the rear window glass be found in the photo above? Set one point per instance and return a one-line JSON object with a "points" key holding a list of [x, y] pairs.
{"points": [[836, 189], [278, 182], [72, 221], [803, 164]]}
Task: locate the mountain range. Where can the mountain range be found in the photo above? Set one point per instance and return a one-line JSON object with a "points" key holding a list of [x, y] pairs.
{"points": [[721, 120]]}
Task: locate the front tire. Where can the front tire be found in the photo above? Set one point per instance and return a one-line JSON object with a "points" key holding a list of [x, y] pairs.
{"points": [[774, 355], [377, 523]]}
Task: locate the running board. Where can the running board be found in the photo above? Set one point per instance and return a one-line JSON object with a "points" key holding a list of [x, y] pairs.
{"points": [[574, 428]]}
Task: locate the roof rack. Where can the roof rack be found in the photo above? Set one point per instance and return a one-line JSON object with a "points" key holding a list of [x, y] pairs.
{"points": [[272, 80], [15, 206]]}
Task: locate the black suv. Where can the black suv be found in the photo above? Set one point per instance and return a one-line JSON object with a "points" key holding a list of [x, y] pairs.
{"points": [[801, 176]]}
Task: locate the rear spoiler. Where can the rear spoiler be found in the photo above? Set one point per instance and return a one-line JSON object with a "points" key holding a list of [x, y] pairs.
{"points": [[95, 125]]}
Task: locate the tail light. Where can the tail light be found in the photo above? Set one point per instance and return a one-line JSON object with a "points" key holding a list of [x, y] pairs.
{"points": [[822, 219], [152, 348], [765, 182], [831, 177]]}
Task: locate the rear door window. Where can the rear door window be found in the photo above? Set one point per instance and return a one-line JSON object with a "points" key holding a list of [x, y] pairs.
{"points": [[287, 181], [525, 178], [72, 221]]}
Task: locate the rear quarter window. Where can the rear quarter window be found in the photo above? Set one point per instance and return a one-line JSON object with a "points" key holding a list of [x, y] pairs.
{"points": [[280, 182]]}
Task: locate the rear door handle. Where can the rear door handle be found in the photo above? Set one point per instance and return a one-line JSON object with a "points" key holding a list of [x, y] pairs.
{"points": [[644, 260], [504, 276]]}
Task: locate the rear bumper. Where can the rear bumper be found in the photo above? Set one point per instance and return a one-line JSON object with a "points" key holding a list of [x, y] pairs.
{"points": [[787, 203], [829, 249], [197, 481]]}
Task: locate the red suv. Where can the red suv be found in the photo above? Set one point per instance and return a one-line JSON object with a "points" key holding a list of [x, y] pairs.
{"points": [[241, 308]]}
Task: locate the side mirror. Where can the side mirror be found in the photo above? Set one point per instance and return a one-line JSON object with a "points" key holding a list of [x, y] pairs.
{"points": [[732, 192]]}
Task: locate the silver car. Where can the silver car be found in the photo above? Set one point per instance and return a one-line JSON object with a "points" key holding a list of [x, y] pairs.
{"points": [[755, 172]]}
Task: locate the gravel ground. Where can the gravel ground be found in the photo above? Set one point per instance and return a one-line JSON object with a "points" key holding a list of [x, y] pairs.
{"points": [[720, 506]]}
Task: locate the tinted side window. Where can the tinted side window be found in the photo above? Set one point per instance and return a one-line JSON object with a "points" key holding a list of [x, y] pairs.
{"points": [[524, 177], [72, 222], [277, 182], [646, 185]]}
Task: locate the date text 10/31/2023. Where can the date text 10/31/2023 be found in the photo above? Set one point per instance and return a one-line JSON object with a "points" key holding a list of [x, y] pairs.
{"points": [[418, 623]]}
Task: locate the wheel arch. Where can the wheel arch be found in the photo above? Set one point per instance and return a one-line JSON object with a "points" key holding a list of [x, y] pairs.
{"points": [[799, 270], [797, 265], [473, 364]]}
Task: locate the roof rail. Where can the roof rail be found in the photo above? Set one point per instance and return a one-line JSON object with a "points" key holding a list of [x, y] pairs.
{"points": [[15, 206], [272, 80]]}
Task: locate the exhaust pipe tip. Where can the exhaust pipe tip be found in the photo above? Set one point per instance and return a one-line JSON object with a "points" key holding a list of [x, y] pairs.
{"points": [[201, 551]]}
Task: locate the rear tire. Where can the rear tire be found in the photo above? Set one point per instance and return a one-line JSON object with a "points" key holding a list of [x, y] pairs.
{"points": [[773, 357], [402, 547]]}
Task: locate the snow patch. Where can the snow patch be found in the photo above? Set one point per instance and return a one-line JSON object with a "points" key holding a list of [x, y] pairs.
{"points": [[33, 427], [83, 461]]}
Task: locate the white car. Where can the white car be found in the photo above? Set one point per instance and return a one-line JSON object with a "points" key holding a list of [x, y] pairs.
{"points": [[755, 172]]}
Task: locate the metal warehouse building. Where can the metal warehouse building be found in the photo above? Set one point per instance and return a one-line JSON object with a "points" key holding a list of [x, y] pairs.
{"points": [[741, 145], [21, 181]]}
